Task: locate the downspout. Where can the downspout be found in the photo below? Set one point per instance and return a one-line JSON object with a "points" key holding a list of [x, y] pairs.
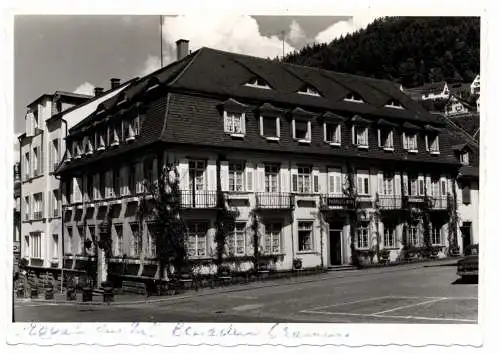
{"points": [[62, 216], [291, 213]]}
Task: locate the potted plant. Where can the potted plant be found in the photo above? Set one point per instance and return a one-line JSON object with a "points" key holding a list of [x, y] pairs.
{"points": [[297, 263]]}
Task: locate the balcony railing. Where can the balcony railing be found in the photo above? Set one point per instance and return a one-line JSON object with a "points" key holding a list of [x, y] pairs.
{"points": [[335, 201], [388, 202], [265, 200], [198, 199], [439, 203]]}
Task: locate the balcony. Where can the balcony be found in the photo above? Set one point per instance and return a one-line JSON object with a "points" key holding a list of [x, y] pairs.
{"points": [[265, 200], [439, 203], [37, 215], [335, 201], [390, 202], [414, 201], [198, 199]]}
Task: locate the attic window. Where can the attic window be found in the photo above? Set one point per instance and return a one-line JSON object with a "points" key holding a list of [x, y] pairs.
{"points": [[309, 90], [258, 83], [432, 143], [270, 127], [394, 104], [234, 123], [353, 97], [301, 130], [464, 158]]}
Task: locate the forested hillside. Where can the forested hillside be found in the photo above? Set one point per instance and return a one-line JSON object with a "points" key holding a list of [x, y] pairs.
{"points": [[409, 50]]}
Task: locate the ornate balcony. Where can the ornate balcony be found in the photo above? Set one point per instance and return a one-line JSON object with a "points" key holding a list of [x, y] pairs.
{"points": [[439, 203], [390, 202], [198, 199], [267, 200]]}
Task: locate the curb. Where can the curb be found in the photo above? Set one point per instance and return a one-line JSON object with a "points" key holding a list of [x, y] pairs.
{"points": [[261, 285]]}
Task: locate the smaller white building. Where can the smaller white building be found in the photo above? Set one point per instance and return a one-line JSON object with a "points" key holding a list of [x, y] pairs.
{"points": [[475, 86]]}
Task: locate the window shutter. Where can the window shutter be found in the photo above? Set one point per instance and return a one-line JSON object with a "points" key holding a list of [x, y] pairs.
{"points": [[260, 187], [284, 174], [405, 142], [261, 125], [325, 139], [315, 177], [183, 169], [466, 194], [309, 131], [278, 127], [243, 123], [293, 129], [397, 184], [359, 185], [249, 177], [428, 186], [380, 177], [353, 131], [211, 175], [443, 186], [379, 138], [331, 181], [224, 175], [405, 183], [42, 204], [294, 173], [226, 122], [426, 143]]}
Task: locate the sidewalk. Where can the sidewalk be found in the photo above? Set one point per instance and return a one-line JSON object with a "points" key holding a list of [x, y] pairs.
{"points": [[135, 299]]}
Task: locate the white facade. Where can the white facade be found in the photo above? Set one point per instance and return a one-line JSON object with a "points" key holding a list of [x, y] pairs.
{"points": [[41, 151], [468, 213], [454, 106]]}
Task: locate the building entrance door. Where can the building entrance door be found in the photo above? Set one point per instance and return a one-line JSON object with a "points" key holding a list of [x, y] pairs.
{"points": [[335, 240]]}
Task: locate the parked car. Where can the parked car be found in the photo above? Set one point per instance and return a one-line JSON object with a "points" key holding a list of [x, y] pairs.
{"points": [[468, 266]]}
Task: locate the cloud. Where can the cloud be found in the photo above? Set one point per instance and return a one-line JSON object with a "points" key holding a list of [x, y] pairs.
{"points": [[151, 64], [342, 28], [85, 89], [296, 36]]}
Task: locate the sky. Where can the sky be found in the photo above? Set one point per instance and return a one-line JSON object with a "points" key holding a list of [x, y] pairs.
{"points": [[75, 53]]}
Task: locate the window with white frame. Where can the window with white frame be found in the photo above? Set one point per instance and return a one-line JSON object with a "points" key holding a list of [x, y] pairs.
{"points": [[271, 178], [36, 245], [27, 165], [114, 134], [151, 239], [56, 211], [308, 90], [69, 247], [270, 127], [257, 82], [38, 206], [393, 103], [436, 235], [301, 130], [236, 240], [36, 162], [234, 123], [305, 230], [363, 182], [388, 183], [335, 181], [432, 142], [389, 236], [417, 185], [101, 137], [353, 97], [82, 238], [413, 239], [136, 239], [360, 136], [301, 182], [197, 174], [464, 158], [272, 238], [197, 239], [27, 211], [386, 139], [362, 236], [236, 176], [55, 245], [119, 239], [410, 141], [332, 132]]}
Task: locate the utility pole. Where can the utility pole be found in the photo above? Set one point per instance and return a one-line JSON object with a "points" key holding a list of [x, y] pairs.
{"points": [[161, 41]]}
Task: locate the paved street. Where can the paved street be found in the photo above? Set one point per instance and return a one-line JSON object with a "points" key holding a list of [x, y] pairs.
{"points": [[398, 295]]}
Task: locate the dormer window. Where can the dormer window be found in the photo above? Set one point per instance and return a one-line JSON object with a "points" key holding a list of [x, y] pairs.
{"points": [[464, 158], [258, 83], [100, 140], [432, 143], [77, 149], [270, 127], [386, 138], [353, 97], [69, 154], [301, 130], [309, 90], [234, 123], [114, 137], [360, 132], [88, 146], [332, 133], [410, 141], [393, 103]]}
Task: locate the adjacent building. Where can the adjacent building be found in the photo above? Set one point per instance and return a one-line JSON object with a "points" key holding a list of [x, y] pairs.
{"points": [[17, 216], [281, 142]]}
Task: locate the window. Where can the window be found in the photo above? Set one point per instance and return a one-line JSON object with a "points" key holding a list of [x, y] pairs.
{"points": [[55, 245], [301, 182], [305, 236], [388, 184], [36, 245], [116, 182], [87, 145], [27, 211], [132, 179], [56, 203], [119, 239], [353, 97], [151, 240], [55, 154], [421, 186], [301, 130], [234, 123], [464, 158], [386, 140], [389, 237], [81, 244], [413, 236], [335, 181], [436, 235], [101, 137], [69, 230], [114, 134], [272, 238], [360, 136], [363, 182], [38, 207], [27, 165], [236, 176], [270, 127], [258, 83], [417, 186], [443, 187], [197, 175], [410, 142], [136, 239], [432, 144], [308, 90], [393, 103], [271, 175], [332, 133], [362, 237], [36, 163], [197, 239], [236, 240]]}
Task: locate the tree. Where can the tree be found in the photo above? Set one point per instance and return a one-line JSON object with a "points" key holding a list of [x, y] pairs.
{"points": [[255, 239], [354, 211]]}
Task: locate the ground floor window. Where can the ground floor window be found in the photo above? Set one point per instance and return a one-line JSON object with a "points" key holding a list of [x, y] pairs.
{"points": [[136, 239], [36, 245], [436, 235], [119, 239], [389, 236], [272, 238], [305, 236], [197, 239], [236, 240], [413, 236], [362, 237], [55, 245], [151, 240]]}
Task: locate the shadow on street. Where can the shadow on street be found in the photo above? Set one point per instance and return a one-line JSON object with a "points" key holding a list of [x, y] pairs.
{"points": [[466, 280]]}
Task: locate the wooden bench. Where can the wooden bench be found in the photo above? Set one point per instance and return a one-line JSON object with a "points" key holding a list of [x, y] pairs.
{"points": [[134, 287]]}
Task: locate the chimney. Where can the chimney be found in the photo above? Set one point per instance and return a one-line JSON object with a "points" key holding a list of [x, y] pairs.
{"points": [[98, 91], [114, 83], [182, 48]]}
